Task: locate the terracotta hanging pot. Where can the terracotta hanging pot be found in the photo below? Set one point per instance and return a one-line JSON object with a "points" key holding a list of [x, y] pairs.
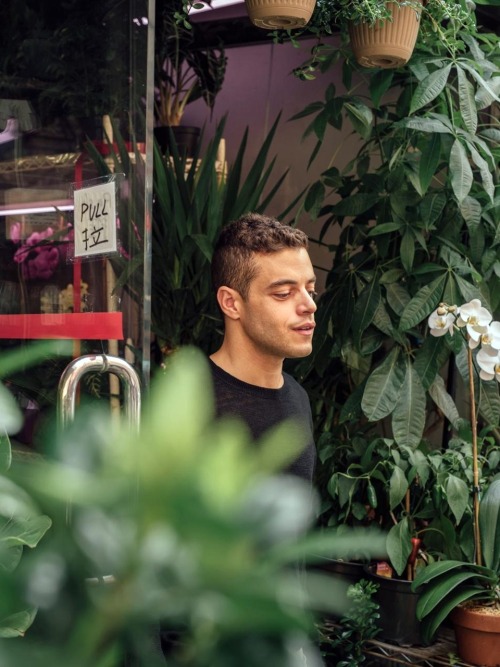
{"points": [[477, 631], [388, 44], [286, 14]]}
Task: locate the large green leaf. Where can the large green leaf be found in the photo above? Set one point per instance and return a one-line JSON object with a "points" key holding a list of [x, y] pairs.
{"points": [[467, 102], [408, 418], [484, 170], [430, 358], [422, 304], [460, 171], [489, 402], [444, 401], [429, 88], [399, 545], [383, 387], [365, 308], [398, 486], [489, 523], [17, 624], [356, 204], [429, 160], [457, 496]]}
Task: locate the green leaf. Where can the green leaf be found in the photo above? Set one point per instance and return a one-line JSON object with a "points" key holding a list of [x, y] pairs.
{"points": [[5, 453], [430, 358], [429, 88], [314, 199], [380, 83], [467, 102], [489, 402], [355, 204], [397, 297], [425, 125], [444, 401], [365, 308], [383, 387], [407, 251], [489, 522], [460, 171], [484, 170], [408, 418], [422, 304], [360, 116], [17, 624], [429, 161], [457, 496], [399, 545]]}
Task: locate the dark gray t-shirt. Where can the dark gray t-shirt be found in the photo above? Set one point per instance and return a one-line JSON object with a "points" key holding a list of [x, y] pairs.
{"points": [[262, 408]]}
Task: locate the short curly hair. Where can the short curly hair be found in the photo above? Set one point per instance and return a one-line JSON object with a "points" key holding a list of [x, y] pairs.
{"points": [[233, 261]]}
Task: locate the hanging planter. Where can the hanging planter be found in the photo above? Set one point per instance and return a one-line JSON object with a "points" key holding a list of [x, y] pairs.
{"points": [[280, 14], [477, 631], [387, 44]]}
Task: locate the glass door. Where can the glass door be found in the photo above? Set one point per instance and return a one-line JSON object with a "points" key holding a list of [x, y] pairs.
{"points": [[75, 193]]}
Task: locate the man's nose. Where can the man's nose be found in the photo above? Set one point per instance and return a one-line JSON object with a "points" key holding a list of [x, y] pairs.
{"points": [[307, 303]]}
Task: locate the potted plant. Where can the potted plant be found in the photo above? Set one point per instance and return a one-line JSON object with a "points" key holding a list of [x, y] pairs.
{"points": [[280, 14], [185, 70], [408, 223], [470, 589], [180, 546], [382, 34]]}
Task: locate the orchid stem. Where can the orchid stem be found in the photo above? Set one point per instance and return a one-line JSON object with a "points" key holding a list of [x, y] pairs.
{"points": [[475, 467]]}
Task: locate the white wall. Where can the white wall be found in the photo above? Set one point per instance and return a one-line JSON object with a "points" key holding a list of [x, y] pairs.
{"points": [[259, 84]]}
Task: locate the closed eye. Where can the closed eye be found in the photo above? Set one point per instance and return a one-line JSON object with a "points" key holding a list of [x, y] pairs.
{"points": [[282, 295], [313, 295]]}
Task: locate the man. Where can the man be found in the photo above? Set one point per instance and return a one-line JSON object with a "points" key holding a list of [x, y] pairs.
{"points": [[264, 281]]}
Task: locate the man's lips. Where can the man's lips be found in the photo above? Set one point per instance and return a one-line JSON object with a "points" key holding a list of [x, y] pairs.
{"points": [[305, 329]]}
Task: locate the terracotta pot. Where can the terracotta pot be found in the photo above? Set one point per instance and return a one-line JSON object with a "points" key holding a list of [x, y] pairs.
{"points": [[288, 14], [478, 635], [389, 44]]}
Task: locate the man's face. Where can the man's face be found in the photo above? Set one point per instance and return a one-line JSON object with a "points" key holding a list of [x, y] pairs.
{"points": [[278, 314]]}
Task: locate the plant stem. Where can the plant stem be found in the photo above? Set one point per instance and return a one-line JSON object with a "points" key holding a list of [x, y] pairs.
{"points": [[475, 467]]}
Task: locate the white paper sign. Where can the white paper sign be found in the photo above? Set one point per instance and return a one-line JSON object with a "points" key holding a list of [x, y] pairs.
{"points": [[95, 220]]}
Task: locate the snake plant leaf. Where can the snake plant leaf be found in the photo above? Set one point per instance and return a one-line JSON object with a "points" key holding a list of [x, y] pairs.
{"points": [[461, 176], [408, 417], [467, 102], [429, 160], [443, 400], [489, 523], [457, 496], [429, 88], [422, 304], [383, 387], [489, 402], [398, 545]]}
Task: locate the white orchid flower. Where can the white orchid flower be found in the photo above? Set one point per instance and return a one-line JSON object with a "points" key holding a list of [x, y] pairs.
{"points": [[488, 361], [476, 318], [440, 324], [491, 337]]}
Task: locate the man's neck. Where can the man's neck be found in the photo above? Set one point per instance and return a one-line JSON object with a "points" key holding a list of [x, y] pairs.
{"points": [[259, 370]]}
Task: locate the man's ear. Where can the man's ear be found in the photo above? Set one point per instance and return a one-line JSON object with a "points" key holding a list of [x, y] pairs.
{"points": [[229, 300]]}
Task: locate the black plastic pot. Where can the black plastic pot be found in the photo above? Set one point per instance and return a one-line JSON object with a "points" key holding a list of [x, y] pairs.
{"points": [[345, 573], [186, 139], [398, 604]]}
